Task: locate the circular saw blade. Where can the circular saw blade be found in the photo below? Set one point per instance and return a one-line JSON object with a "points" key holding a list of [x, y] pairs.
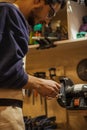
{"points": [[82, 69]]}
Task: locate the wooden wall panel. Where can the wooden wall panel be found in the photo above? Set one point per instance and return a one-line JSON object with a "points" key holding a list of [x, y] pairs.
{"points": [[65, 57]]}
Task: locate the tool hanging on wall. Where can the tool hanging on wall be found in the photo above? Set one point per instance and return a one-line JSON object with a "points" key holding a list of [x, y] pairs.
{"points": [[34, 96], [26, 92], [42, 75], [52, 73]]}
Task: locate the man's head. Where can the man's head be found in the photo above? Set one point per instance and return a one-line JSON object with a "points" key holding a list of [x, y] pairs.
{"points": [[39, 11]]}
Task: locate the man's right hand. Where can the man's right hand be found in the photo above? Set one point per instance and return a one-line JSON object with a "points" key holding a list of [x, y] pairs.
{"points": [[45, 87]]}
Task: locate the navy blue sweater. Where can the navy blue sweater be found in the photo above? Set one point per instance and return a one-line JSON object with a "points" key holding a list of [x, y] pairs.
{"points": [[14, 37]]}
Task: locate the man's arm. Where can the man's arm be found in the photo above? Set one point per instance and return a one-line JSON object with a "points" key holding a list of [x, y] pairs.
{"points": [[13, 47], [44, 87]]}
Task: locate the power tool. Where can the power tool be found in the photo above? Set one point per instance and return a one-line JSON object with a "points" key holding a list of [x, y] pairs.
{"points": [[72, 96]]}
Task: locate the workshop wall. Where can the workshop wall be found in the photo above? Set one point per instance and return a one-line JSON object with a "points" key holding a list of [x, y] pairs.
{"points": [[65, 58]]}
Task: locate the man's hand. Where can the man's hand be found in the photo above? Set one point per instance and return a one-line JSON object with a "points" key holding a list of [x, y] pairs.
{"points": [[45, 87]]}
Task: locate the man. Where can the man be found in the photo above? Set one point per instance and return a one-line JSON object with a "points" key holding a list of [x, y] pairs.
{"points": [[13, 47]]}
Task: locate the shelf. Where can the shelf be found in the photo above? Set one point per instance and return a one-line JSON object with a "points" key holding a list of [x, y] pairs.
{"points": [[38, 38], [70, 41], [63, 54], [73, 20], [78, 42], [74, 44]]}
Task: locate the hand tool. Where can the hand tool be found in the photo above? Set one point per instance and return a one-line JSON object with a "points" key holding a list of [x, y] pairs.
{"points": [[42, 75], [52, 73]]}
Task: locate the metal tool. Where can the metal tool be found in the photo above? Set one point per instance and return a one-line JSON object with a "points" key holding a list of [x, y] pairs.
{"points": [[52, 73], [45, 43], [82, 69], [42, 75], [72, 96]]}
